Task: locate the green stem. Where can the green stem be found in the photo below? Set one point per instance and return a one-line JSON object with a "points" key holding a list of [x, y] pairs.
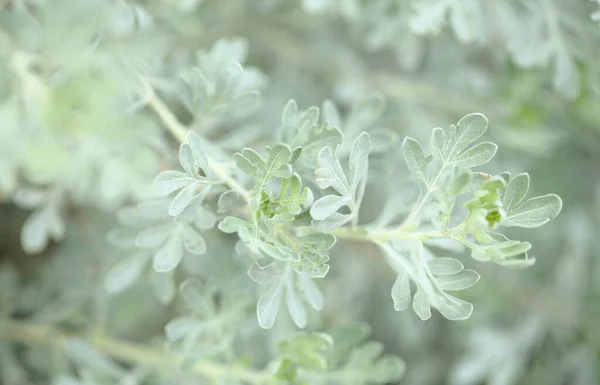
{"points": [[414, 213], [180, 132], [386, 234], [131, 353]]}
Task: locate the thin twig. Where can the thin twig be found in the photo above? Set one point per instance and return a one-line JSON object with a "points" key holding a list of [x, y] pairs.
{"points": [[180, 132], [124, 351]]}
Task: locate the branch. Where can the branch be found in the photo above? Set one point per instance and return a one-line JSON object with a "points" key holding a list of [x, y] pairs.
{"points": [[180, 132], [130, 353]]}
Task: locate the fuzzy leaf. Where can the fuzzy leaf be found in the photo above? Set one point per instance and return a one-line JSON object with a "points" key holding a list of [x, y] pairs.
{"points": [[125, 273], [534, 212], [401, 293]]}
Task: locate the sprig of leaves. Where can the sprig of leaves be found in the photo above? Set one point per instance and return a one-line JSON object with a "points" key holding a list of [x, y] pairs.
{"points": [[211, 328], [149, 227], [351, 189], [433, 279], [443, 176], [280, 278], [194, 183], [277, 164], [340, 358], [302, 129], [218, 88]]}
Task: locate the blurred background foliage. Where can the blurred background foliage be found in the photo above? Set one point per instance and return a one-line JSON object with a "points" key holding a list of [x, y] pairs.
{"points": [[77, 142]]}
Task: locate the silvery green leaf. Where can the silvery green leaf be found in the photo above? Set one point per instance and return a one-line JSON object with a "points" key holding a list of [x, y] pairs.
{"points": [[459, 281], [192, 185], [197, 297], [421, 305], [312, 249], [125, 273], [231, 225], [453, 308], [331, 114], [306, 350], [345, 338], [194, 89], [295, 307], [277, 251], [444, 266], [303, 130], [476, 155], [263, 275], [306, 121], [201, 217], [504, 252], [154, 236], [518, 263], [168, 256], [226, 83], [288, 116], [328, 205], [437, 144], [268, 305], [334, 221], [460, 183], [365, 366], [330, 173], [317, 138], [193, 241], [246, 103], [292, 198], [515, 191], [122, 237], [534, 212], [145, 212], [164, 286], [446, 244], [468, 129], [186, 158], [250, 162], [198, 153], [258, 238], [229, 201], [476, 181], [401, 293], [277, 161], [318, 241], [415, 159], [359, 165], [185, 196], [276, 165], [311, 292]]}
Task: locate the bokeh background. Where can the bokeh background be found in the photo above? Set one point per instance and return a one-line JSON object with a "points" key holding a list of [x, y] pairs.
{"points": [[77, 143]]}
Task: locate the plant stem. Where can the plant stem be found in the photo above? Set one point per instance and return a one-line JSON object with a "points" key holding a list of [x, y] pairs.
{"points": [[124, 351], [180, 132], [414, 213], [386, 234]]}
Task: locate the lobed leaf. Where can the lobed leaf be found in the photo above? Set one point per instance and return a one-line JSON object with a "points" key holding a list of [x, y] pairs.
{"points": [[534, 212]]}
